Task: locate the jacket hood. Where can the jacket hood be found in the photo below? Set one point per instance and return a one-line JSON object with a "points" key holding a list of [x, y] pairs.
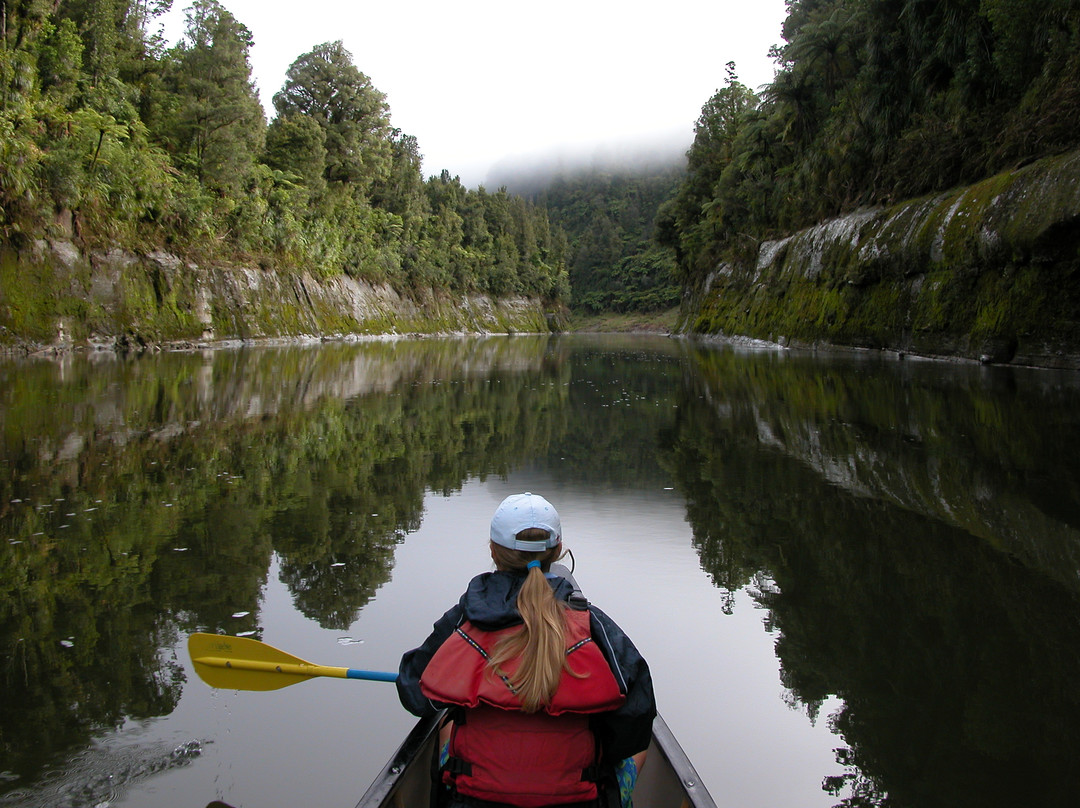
{"points": [[490, 601]]}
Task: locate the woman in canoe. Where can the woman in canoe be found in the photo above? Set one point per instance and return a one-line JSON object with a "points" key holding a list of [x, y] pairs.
{"points": [[549, 703]]}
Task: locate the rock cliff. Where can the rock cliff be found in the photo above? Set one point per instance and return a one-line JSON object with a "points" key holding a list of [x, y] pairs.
{"points": [[987, 273], [55, 296]]}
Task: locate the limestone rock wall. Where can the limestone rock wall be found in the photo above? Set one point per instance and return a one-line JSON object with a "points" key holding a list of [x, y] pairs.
{"points": [[55, 296], [988, 272]]}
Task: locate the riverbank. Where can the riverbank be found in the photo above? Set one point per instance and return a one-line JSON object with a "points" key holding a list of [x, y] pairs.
{"points": [[56, 297], [661, 322], [988, 273]]}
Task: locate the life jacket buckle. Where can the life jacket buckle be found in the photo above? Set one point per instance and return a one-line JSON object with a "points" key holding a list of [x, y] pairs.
{"points": [[455, 766]]}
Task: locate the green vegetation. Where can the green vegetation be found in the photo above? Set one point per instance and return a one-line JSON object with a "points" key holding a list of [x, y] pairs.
{"points": [[987, 271], [111, 138], [874, 101], [609, 217], [663, 322]]}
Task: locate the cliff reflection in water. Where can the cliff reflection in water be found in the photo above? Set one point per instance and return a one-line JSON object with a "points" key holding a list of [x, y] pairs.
{"points": [[912, 530], [142, 499]]}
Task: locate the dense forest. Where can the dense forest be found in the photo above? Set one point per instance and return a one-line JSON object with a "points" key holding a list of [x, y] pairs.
{"points": [[113, 138], [875, 101], [609, 217]]}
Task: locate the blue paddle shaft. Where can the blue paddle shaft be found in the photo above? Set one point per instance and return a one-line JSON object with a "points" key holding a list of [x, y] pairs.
{"points": [[371, 676]]}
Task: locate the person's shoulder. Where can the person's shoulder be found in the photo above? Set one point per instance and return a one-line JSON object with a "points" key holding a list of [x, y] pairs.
{"points": [[611, 632], [487, 584], [597, 612], [490, 598]]}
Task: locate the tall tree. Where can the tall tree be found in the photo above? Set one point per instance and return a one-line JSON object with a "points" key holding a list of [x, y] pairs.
{"points": [[691, 221], [326, 85], [219, 126]]}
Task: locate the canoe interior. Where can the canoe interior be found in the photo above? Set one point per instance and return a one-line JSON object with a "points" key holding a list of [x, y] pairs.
{"points": [[668, 779]]}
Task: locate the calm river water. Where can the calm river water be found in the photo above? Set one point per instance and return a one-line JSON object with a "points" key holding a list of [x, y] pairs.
{"points": [[855, 578]]}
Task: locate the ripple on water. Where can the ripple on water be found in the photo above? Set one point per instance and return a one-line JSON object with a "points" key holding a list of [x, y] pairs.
{"points": [[98, 776]]}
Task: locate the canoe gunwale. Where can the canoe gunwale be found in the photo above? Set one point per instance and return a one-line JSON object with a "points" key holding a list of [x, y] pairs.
{"points": [[382, 787], [663, 744]]}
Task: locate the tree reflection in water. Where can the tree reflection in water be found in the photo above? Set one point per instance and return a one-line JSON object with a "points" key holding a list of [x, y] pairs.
{"points": [[894, 522], [910, 528]]}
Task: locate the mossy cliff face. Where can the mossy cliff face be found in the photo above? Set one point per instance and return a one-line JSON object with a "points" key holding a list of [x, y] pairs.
{"points": [[988, 272], [55, 296]]}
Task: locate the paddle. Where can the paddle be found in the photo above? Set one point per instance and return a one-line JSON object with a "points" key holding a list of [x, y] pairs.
{"points": [[240, 663]]}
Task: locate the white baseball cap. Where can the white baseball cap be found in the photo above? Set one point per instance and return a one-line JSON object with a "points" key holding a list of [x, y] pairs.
{"points": [[520, 512]]}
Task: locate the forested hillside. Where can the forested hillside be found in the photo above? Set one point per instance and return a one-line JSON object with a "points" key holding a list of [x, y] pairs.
{"points": [[609, 216], [113, 139], [875, 101]]}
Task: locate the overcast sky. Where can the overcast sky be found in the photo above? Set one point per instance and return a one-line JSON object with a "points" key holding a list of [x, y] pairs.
{"points": [[477, 81]]}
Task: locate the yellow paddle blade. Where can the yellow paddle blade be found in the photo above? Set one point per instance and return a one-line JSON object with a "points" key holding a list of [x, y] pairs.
{"points": [[240, 663]]}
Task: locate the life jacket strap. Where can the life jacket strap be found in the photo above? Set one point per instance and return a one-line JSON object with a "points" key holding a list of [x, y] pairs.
{"points": [[455, 766]]}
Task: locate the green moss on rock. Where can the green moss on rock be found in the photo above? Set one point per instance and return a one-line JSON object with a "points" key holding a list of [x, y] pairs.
{"points": [[56, 296], [985, 272]]}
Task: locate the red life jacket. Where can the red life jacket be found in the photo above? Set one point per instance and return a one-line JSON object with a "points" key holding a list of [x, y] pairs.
{"points": [[502, 754]]}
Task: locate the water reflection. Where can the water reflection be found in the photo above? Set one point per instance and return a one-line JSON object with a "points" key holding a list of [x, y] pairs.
{"points": [[897, 523], [911, 528], [141, 499]]}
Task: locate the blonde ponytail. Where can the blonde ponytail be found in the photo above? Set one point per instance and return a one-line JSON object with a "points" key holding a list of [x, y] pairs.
{"points": [[541, 643]]}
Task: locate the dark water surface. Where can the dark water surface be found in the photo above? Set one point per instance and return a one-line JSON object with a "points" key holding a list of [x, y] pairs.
{"points": [[855, 578]]}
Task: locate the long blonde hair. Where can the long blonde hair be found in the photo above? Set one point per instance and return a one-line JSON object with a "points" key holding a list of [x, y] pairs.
{"points": [[541, 643]]}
